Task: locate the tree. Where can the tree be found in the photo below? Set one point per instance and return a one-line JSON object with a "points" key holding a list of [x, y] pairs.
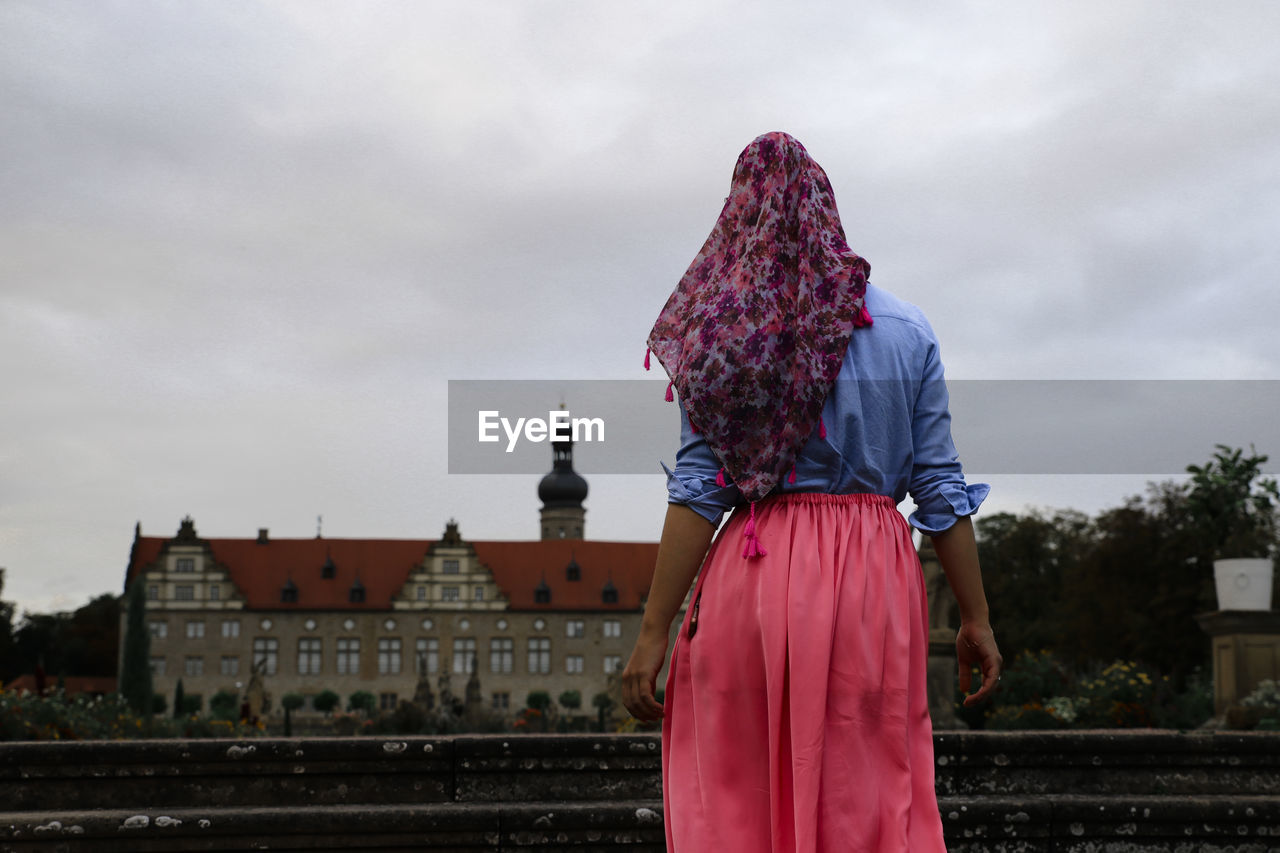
{"points": [[326, 701], [135, 672], [571, 700], [224, 705], [539, 700], [603, 704], [362, 700], [9, 668], [1234, 504], [179, 706], [290, 702]]}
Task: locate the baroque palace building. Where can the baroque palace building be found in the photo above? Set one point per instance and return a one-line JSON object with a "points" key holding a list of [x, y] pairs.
{"points": [[558, 613]]}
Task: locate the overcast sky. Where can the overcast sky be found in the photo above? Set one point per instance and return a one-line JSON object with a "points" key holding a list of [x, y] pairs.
{"points": [[245, 245]]}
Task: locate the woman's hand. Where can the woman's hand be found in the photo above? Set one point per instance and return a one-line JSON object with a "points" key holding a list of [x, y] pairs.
{"points": [[976, 646], [640, 678]]}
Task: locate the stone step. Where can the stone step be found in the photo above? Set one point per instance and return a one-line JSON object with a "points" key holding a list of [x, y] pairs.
{"points": [[1107, 761], [584, 826], [988, 824], [481, 768]]}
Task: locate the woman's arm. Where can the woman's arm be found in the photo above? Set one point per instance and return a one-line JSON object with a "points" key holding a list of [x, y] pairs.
{"points": [[686, 535], [975, 642]]}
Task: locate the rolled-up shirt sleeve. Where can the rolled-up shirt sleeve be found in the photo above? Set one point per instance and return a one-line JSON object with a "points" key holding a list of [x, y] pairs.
{"points": [[937, 480], [693, 482]]}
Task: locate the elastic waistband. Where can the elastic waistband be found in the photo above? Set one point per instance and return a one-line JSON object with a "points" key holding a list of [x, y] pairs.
{"points": [[863, 498]]}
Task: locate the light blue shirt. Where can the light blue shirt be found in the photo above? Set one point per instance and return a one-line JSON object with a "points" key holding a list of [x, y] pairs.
{"points": [[887, 423]]}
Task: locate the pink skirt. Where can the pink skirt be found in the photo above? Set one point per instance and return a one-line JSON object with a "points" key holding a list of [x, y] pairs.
{"points": [[796, 717]]}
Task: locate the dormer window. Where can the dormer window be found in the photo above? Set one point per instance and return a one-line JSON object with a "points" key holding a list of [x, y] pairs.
{"points": [[356, 596], [451, 567], [542, 594], [609, 595], [289, 593], [328, 569], [573, 572]]}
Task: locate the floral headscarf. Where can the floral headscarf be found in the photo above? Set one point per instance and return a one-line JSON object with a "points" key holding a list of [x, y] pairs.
{"points": [[755, 332]]}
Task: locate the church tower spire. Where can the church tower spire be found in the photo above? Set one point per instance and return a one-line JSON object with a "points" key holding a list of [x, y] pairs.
{"points": [[562, 492]]}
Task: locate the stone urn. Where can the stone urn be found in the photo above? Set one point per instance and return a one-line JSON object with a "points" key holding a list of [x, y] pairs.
{"points": [[1243, 583]]}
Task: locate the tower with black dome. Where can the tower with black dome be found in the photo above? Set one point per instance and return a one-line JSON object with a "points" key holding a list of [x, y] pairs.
{"points": [[562, 492]]}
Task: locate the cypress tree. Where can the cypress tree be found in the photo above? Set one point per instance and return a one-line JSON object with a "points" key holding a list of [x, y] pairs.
{"points": [[179, 700], [135, 668]]}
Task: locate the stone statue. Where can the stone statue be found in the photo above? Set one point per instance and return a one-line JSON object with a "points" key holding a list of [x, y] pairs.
{"points": [[422, 695], [941, 676], [256, 696]]}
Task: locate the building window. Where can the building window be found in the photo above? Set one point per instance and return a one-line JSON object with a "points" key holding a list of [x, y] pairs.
{"points": [[349, 656], [184, 592], [230, 628], [389, 656], [464, 655], [356, 596], [159, 630], [573, 572], [157, 666], [194, 667], [309, 658], [215, 592], [422, 593], [266, 651], [185, 564], [478, 594], [195, 629], [502, 652], [153, 592], [613, 627], [328, 569], [609, 595], [230, 665], [387, 701], [573, 664], [451, 567], [575, 628], [289, 593], [449, 593], [428, 662], [612, 664], [542, 594], [539, 655], [501, 701]]}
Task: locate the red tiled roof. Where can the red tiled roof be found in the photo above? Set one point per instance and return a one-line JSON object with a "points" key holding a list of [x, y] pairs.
{"points": [[383, 566], [518, 568], [73, 684]]}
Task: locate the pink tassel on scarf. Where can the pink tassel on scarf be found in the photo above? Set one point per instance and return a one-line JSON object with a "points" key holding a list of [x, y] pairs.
{"points": [[791, 479], [863, 318], [720, 478], [670, 398], [822, 429], [753, 548], [646, 358]]}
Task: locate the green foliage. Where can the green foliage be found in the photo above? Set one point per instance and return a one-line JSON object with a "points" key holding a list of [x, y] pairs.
{"points": [[326, 701], [135, 673], [225, 705], [25, 716], [602, 701], [1037, 692], [179, 705], [1234, 504], [159, 704], [539, 700], [362, 700], [292, 701], [571, 700]]}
